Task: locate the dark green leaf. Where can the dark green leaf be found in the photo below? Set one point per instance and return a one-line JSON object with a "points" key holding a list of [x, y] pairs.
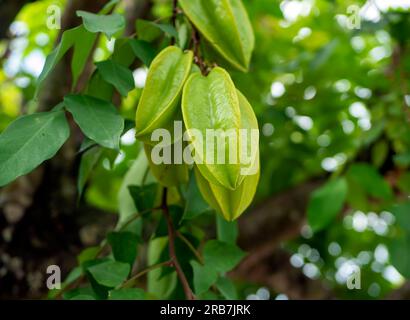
{"points": [[402, 213], [204, 277], [144, 51], [116, 74], [144, 196], [221, 256], [83, 297], [98, 119], [29, 141], [87, 164], [399, 249], [127, 294], [227, 288], [124, 246], [149, 31], [195, 203], [326, 202], [370, 180], [88, 254]]}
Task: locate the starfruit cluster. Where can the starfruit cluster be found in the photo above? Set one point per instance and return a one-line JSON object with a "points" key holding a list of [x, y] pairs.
{"points": [[176, 90]]}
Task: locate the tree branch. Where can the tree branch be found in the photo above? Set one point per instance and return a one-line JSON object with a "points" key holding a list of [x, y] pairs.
{"points": [[171, 239]]}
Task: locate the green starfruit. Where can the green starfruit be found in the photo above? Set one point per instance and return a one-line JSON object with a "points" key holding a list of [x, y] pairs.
{"points": [[159, 103], [212, 117], [232, 203], [226, 27]]}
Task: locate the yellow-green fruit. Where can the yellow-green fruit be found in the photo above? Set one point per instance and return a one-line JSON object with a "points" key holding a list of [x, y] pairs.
{"points": [[211, 112], [232, 203], [226, 27], [160, 99]]}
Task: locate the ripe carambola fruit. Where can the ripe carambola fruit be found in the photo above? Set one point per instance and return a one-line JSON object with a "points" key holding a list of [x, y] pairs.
{"points": [[226, 27], [232, 203], [160, 99], [210, 106]]}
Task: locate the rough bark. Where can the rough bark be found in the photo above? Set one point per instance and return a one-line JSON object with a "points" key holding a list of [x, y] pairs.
{"points": [[41, 221]]}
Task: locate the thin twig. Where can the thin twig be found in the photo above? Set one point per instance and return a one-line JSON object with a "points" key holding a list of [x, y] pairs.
{"points": [[131, 281], [174, 18], [171, 245], [191, 247], [198, 59]]}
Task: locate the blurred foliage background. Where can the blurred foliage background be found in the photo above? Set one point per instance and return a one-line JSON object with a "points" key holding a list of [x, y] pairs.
{"points": [[331, 100]]}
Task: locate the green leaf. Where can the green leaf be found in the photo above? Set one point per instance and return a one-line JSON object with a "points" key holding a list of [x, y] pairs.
{"points": [[99, 88], [138, 174], [110, 273], [227, 288], [195, 203], [108, 24], [88, 254], [159, 103], [204, 277], [85, 293], [123, 52], [98, 119], [167, 29], [149, 30], [227, 231], [399, 249], [144, 196], [222, 256], [29, 141], [144, 51], [117, 75], [78, 38], [325, 203], [226, 27], [402, 213], [127, 294], [369, 179], [124, 246], [88, 161], [83, 297]]}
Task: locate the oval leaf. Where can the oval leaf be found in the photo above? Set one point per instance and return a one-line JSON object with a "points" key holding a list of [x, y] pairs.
{"points": [[117, 75], [29, 141], [326, 202], [98, 119], [110, 273]]}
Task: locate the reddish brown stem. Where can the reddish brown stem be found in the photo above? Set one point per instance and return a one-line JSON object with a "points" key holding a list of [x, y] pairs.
{"points": [[171, 244]]}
